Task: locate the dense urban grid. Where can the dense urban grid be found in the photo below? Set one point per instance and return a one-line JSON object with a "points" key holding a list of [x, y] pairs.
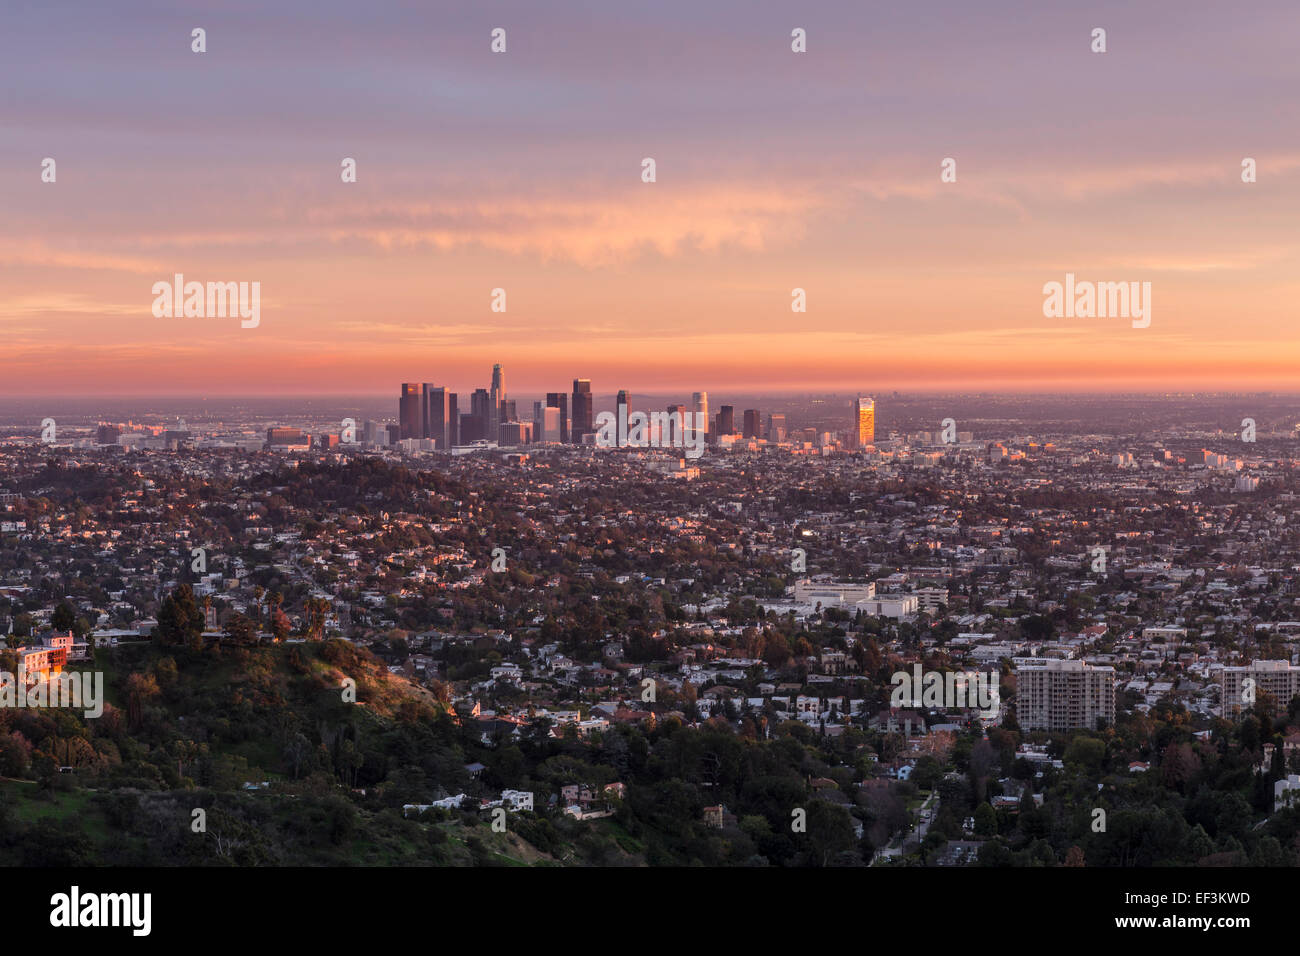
{"points": [[467, 637]]}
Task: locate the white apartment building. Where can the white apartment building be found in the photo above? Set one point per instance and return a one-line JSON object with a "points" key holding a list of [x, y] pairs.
{"points": [[1064, 695], [1280, 679]]}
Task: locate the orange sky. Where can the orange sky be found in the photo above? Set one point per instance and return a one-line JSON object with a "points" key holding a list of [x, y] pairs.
{"points": [[775, 171]]}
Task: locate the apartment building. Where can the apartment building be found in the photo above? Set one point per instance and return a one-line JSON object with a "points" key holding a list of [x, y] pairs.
{"points": [[1064, 695], [1280, 679]]}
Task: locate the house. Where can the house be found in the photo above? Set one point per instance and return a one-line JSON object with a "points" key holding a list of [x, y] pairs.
{"points": [[1286, 793]]}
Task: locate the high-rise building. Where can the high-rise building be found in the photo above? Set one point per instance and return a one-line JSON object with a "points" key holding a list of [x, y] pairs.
{"points": [[776, 427], [727, 420], [548, 426], [1279, 679], [107, 435], [622, 405], [700, 402], [474, 426], [453, 420], [515, 433], [410, 411], [436, 416], [753, 423], [560, 400], [497, 397], [866, 421], [582, 418], [1064, 695]]}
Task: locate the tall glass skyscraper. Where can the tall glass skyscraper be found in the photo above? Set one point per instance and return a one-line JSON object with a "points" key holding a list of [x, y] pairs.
{"points": [[866, 423], [582, 419], [496, 413], [561, 401], [700, 401], [410, 410]]}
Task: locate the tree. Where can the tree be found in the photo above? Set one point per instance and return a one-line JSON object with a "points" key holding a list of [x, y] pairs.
{"points": [[179, 619], [140, 688], [240, 630], [64, 617]]}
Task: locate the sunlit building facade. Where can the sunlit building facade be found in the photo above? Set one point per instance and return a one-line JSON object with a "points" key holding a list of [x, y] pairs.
{"points": [[866, 425]]}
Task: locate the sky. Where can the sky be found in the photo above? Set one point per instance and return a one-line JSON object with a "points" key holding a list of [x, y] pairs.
{"points": [[522, 171]]}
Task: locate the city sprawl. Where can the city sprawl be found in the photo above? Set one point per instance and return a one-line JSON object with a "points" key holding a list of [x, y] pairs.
{"points": [[899, 630]]}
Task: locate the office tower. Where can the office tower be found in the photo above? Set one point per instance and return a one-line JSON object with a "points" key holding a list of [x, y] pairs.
{"points": [[726, 420], [107, 435], [1064, 695], [1279, 679], [622, 406], [498, 396], [411, 411], [509, 410], [474, 426], [700, 401], [582, 419], [453, 421], [560, 400], [753, 426], [374, 433], [776, 427], [436, 412], [865, 427], [394, 434], [515, 433], [549, 430]]}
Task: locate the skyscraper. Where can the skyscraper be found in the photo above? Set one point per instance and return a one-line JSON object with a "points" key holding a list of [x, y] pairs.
{"points": [[436, 416], [410, 411], [453, 420], [727, 420], [753, 423], [497, 396], [700, 401], [866, 423], [474, 426], [582, 420], [776, 427], [560, 400], [622, 405]]}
